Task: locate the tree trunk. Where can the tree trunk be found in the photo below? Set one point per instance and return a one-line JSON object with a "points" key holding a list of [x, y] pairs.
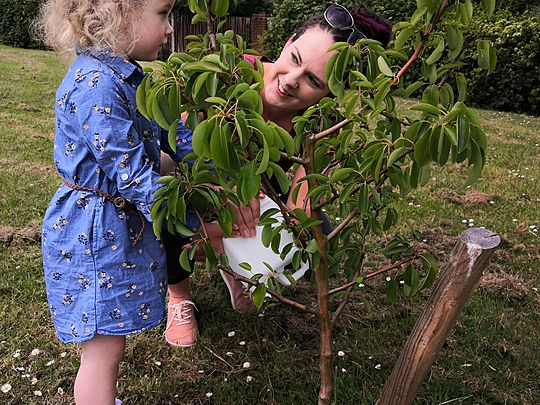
{"points": [[453, 289]]}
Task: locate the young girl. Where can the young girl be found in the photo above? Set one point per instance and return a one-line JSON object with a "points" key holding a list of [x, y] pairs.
{"points": [[105, 270]]}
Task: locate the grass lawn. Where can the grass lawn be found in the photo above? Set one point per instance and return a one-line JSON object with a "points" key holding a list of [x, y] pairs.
{"points": [[491, 357]]}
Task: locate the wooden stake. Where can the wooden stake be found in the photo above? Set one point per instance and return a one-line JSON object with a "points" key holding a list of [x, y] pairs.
{"points": [[452, 291]]}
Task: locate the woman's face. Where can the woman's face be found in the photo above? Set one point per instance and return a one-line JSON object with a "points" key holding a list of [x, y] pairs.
{"points": [[296, 80]]}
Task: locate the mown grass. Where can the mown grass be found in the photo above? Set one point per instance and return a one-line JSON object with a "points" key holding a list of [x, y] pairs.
{"points": [[491, 357]]}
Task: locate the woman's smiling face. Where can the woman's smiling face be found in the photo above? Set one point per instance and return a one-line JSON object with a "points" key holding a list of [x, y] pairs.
{"points": [[296, 80]]}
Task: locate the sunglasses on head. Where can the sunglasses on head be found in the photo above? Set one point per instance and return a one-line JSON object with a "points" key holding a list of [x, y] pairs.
{"points": [[340, 18]]}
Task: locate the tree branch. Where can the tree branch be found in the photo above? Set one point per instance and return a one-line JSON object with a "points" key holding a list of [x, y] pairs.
{"points": [[442, 9], [209, 27], [331, 130], [375, 273], [275, 294], [294, 159], [343, 224]]}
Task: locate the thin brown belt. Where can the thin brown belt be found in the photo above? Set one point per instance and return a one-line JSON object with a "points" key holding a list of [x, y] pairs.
{"points": [[119, 202]]}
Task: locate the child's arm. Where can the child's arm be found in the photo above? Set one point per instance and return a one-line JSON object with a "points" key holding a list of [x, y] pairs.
{"points": [[183, 142], [104, 121]]}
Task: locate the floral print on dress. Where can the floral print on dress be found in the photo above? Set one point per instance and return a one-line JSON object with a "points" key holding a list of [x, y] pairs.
{"points": [[96, 281]]}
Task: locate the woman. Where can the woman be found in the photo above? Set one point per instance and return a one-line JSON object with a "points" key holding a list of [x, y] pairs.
{"points": [[294, 82]]}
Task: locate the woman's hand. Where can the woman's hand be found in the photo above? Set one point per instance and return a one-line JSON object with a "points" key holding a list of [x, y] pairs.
{"points": [[247, 218]]}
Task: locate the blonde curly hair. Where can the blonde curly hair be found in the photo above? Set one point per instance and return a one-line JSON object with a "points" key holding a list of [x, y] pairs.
{"points": [[89, 25]]}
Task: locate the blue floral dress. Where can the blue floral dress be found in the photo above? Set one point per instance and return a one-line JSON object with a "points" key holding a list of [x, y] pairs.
{"points": [[96, 281]]}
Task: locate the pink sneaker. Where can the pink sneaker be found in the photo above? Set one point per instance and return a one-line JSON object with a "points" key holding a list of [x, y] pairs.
{"points": [[240, 296], [182, 330]]}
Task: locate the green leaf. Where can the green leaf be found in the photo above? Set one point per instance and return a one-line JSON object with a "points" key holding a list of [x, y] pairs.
{"points": [[220, 7], [281, 176], [265, 157], [492, 59], [340, 174], [428, 108], [165, 179], [412, 281], [437, 53], [199, 66], [489, 7], [390, 219], [421, 149], [462, 127], [249, 99], [402, 37], [259, 294], [181, 209], [200, 82], [412, 88], [250, 182], [200, 141], [443, 148], [312, 246], [456, 50], [337, 45], [157, 224], [245, 265], [171, 136], [158, 113], [462, 86], [219, 147], [392, 290], [241, 129], [336, 87], [287, 140], [329, 67], [384, 68], [174, 100], [266, 235], [216, 100], [141, 97], [184, 260], [476, 170], [363, 199], [395, 155], [212, 84], [382, 92], [451, 37], [482, 47]]}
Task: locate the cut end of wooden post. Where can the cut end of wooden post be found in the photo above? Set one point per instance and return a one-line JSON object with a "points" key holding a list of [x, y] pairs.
{"points": [[483, 238]]}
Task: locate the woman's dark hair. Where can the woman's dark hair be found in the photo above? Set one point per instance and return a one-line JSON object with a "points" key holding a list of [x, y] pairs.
{"points": [[368, 22]]}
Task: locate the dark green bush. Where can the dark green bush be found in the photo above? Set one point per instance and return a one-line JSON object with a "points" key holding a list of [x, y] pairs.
{"points": [[243, 8], [515, 83], [15, 21]]}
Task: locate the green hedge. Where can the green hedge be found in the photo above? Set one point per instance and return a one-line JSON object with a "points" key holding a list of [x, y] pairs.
{"points": [[15, 20], [515, 83]]}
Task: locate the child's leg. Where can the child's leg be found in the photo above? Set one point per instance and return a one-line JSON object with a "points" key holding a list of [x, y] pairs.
{"points": [[96, 379]]}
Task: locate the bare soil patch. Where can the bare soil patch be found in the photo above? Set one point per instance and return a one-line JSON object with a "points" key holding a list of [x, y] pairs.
{"points": [[31, 232], [470, 198], [505, 285]]}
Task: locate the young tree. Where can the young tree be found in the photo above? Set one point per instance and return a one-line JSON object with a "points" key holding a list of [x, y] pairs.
{"points": [[361, 157]]}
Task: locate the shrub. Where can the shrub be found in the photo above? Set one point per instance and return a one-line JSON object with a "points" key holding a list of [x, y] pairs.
{"points": [[286, 17], [15, 21], [515, 83]]}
